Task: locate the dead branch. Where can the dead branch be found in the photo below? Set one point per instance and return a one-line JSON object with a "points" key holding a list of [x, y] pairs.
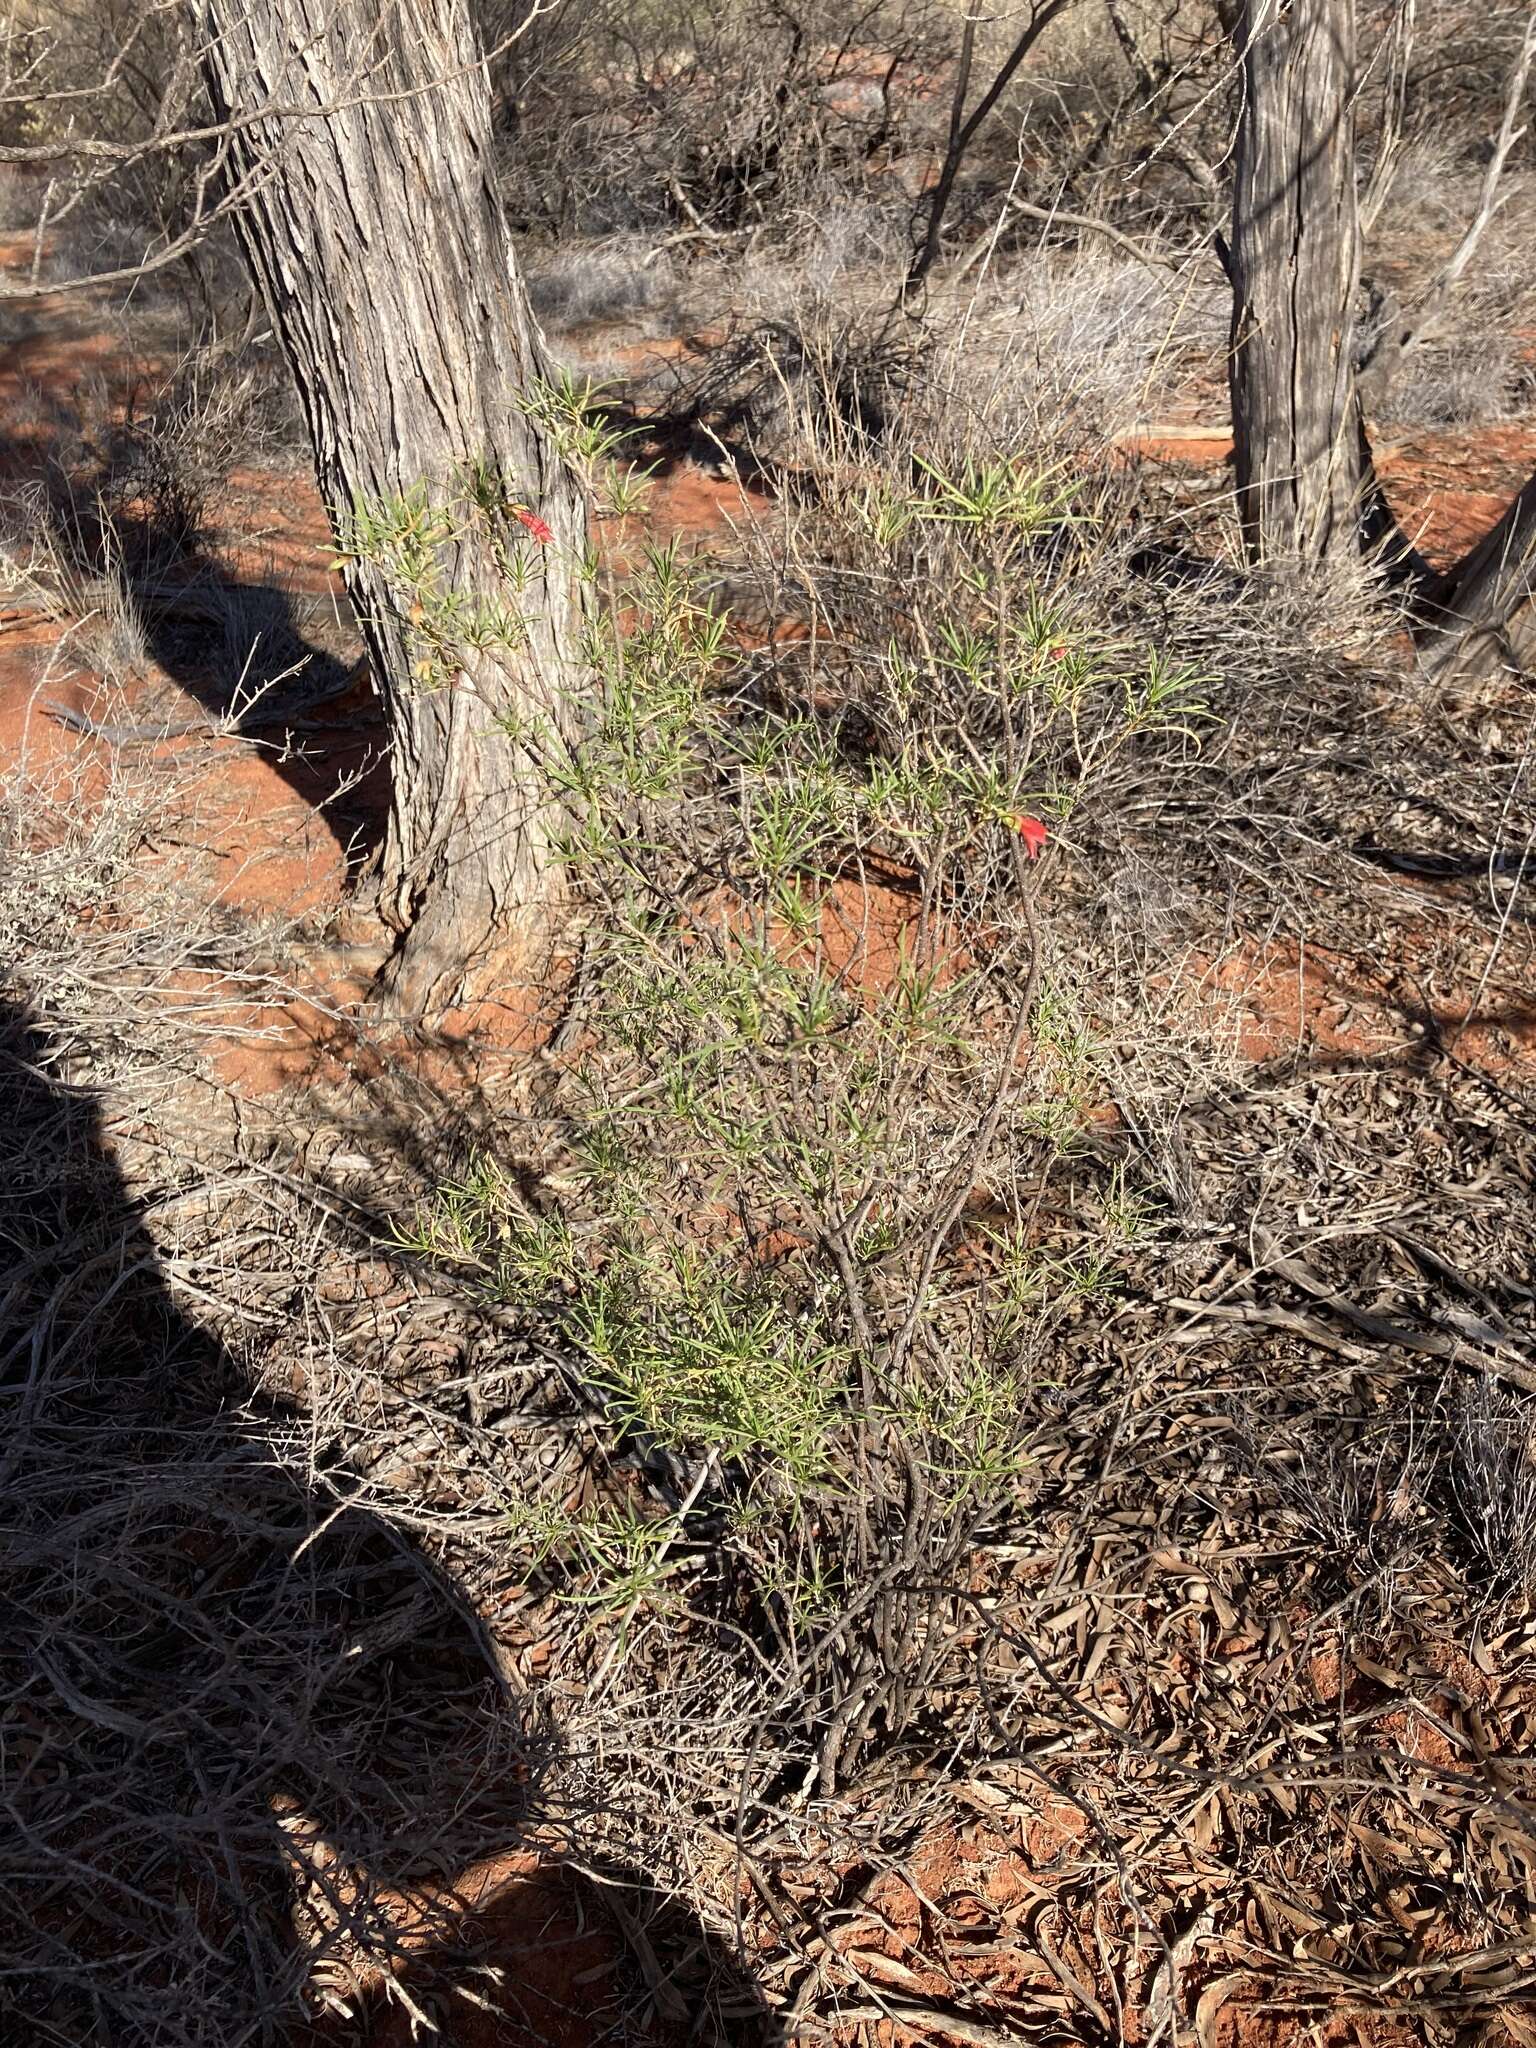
{"points": [[1153, 90], [215, 196], [1083, 223], [963, 127]]}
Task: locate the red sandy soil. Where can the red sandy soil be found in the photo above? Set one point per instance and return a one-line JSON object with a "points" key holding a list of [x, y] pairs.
{"points": [[868, 931], [1448, 487], [1288, 1000], [542, 1966]]}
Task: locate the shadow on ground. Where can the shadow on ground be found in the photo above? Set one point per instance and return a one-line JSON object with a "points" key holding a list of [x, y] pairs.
{"points": [[251, 1737], [123, 528]]}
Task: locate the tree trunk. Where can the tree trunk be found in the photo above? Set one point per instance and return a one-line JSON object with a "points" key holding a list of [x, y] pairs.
{"points": [[1295, 262], [379, 245]]}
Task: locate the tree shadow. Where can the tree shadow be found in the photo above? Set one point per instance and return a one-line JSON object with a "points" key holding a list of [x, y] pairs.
{"points": [[252, 1739], [124, 524], [241, 652]]}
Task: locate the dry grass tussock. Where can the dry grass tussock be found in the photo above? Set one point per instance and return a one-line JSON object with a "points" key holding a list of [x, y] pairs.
{"points": [[1067, 360], [113, 529], [907, 1432], [1474, 363]]}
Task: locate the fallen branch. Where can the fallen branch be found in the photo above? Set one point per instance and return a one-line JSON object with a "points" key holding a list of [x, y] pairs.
{"points": [[1443, 1341]]}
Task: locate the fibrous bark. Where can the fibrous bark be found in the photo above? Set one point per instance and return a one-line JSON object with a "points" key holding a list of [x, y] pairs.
{"points": [[380, 247], [1295, 264]]}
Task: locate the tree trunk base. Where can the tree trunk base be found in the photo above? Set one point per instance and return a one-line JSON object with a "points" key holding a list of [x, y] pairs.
{"points": [[450, 959]]}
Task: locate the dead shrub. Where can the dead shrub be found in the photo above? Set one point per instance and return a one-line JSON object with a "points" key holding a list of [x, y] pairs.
{"points": [[620, 279], [715, 122]]}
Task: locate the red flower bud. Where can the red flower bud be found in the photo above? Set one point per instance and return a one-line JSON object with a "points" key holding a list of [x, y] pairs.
{"points": [[535, 525]]}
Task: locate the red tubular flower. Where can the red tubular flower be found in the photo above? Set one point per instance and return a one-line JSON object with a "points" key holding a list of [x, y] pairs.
{"points": [[1033, 834], [535, 525]]}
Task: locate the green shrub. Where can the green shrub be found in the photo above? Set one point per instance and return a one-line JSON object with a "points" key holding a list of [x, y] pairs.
{"points": [[826, 1066]]}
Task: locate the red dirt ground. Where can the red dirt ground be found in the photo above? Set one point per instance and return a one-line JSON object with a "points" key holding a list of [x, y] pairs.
{"points": [[1447, 487], [1291, 999], [541, 1968]]}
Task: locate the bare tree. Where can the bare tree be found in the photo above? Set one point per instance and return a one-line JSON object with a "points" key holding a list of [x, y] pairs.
{"points": [[1300, 383], [1295, 267], [362, 137]]}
